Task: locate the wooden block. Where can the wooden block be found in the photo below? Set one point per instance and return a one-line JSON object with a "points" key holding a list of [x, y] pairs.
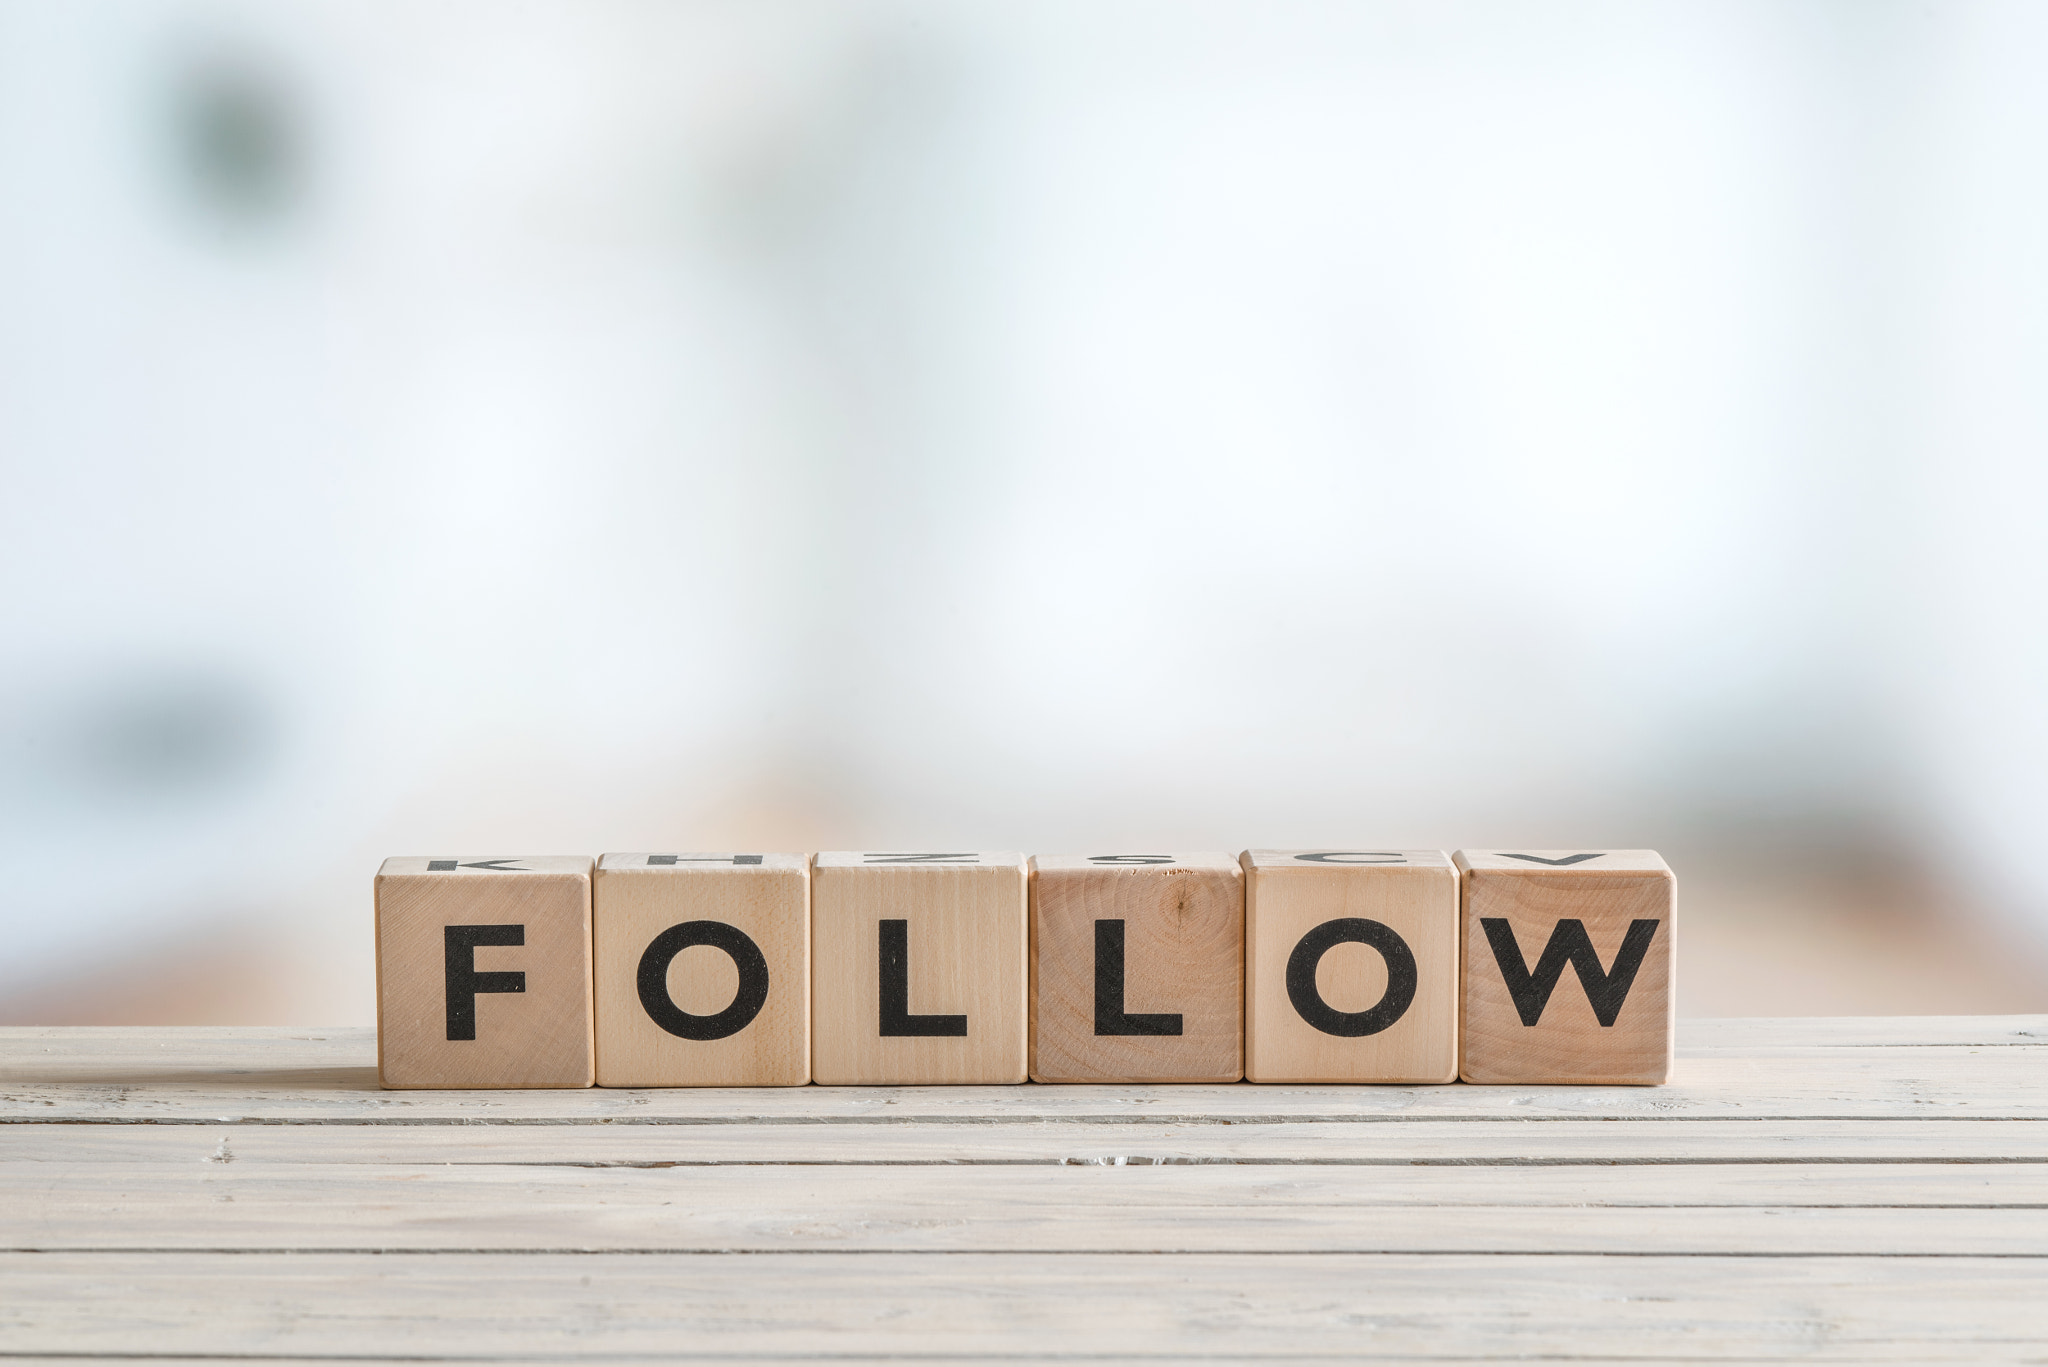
{"points": [[483, 972], [1137, 968], [1351, 966], [1568, 966], [921, 975], [703, 970]]}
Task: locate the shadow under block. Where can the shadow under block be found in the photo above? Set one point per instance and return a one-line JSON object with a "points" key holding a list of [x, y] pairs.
{"points": [[483, 972], [921, 972], [1568, 966], [1137, 968], [702, 966], [1351, 966]]}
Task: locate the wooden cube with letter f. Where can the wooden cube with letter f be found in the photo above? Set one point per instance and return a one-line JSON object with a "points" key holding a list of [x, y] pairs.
{"points": [[1568, 966], [483, 972]]}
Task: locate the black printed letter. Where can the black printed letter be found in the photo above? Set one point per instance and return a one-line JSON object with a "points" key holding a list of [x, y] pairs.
{"points": [[896, 1017], [1110, 1016], [1569, 944], [1393, 1003], [746, 1003], [463, 982]]}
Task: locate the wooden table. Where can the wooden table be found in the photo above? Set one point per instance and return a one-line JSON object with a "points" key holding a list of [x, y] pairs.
{"points": [[1828, 1189]]}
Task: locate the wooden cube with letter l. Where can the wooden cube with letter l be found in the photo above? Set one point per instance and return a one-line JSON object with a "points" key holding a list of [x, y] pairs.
{"points": [[920, 972], [483, 972], [1568, 966], [1351, 966], [703, 970], [1137, 968]]}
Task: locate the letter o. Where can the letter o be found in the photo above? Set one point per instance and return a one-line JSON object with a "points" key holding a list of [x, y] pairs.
{"points": [[746, 1003], [1308, 955]]}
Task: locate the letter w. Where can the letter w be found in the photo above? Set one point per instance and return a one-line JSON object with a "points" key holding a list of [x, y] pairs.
{"points": [[1569, 944]]}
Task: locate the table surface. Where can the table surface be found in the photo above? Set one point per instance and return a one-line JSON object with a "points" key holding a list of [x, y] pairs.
{"points": [[1834, 1189]]}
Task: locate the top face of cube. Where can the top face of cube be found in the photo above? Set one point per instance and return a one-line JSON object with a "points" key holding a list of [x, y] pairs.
{"points": [[918, 859], [484, 865], [704, 862], [1111, 863], [1563, 861], [1276, 861]]}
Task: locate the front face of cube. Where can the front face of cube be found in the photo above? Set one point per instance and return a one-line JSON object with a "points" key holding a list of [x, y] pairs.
{"points": [[1568, 966], [920, 973], [483, 972], [702, 966], [1351, 969], [1137, 968]]}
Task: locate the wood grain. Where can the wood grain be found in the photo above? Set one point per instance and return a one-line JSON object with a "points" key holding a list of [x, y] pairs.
{"points": [[965, 936], [1697, 1210], [564, 1306], [1291, 894], [767, 899], [1604, 897], [1023, 1139], [539, 1035], [1783, 1070], [1179, 920]]}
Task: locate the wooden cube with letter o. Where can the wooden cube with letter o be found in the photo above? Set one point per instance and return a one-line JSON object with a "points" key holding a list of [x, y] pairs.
{"points": [[1351, 966], [703, 970]]}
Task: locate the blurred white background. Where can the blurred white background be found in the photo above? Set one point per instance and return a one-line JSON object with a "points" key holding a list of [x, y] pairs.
{"points": [[595, 424]]}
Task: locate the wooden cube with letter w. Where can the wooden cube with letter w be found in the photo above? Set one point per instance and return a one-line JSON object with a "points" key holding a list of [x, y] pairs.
{"points": [[1568, 957]]}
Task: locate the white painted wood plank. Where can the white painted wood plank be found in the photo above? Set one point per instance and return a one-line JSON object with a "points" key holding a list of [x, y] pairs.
{"points": [[1763, 1034], [921, 1228], [1991, 1082], [571, 1307], [1705, 1210], [1371, 1142], [1252, 1238]]}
